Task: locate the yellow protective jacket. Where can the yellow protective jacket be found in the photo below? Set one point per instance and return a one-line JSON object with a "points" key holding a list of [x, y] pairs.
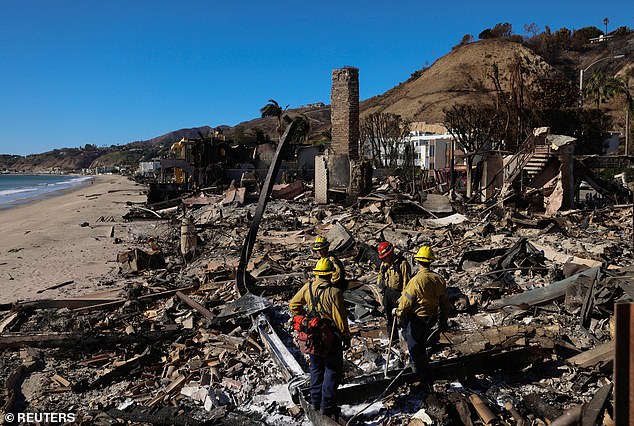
{"points": [[396, 275], [340, 273], [424, 294], [330, 307]]}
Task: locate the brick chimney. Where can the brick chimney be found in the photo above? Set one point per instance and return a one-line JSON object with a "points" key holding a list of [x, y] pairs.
{"points": [[344, 112]]}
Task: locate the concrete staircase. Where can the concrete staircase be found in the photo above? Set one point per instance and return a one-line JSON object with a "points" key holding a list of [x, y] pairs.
{"points": [[537, 162], [527, 163]]}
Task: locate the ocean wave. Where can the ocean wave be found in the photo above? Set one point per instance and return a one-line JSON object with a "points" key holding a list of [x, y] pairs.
{"points": [[16, 191], [71, 181], [11, 196]]}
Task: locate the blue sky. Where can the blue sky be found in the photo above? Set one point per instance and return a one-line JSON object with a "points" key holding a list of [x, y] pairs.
{"points": [[111, 72]]}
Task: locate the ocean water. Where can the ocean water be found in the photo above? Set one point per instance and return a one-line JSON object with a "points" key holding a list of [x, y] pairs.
{"points": [[17, 189]]}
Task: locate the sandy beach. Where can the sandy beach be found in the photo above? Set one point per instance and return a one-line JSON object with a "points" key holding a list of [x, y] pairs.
{"points": [[44, 243]]}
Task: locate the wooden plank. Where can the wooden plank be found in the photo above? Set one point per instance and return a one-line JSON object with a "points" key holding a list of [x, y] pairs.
{"points": [[60, 380], [7, 321], [175, 385], [195, 305], [590, 358], [559, 257]]}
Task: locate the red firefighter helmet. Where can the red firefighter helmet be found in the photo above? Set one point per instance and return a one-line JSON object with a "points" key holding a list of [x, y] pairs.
{"points": [[384, 248]]}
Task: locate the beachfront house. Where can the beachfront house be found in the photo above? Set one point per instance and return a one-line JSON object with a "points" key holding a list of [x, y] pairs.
{"points": [[149, 168]]}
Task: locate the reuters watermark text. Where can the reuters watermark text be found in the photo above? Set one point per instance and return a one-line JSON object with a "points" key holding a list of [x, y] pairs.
{"points": [[26, 418]]}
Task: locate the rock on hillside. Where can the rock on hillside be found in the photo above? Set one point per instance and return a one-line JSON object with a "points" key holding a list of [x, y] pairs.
{"points": [[462, 76]]}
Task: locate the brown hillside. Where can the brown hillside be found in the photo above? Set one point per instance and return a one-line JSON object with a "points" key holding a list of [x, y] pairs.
{"points": [[462, 76]]}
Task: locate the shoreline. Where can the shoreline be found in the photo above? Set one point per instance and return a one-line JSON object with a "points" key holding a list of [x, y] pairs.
{"points": [[45, 195], [62, 237]]}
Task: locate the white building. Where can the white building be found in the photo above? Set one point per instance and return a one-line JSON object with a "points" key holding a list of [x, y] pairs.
{"points": [[432, 147], [150, 168]]}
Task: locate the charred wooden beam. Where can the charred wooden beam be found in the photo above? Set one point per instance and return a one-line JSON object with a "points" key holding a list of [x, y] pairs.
{"points": [[144, 298], [49, 340], [18, 340], [62, 303], [265, 192], [543, 295], [82, 305]]}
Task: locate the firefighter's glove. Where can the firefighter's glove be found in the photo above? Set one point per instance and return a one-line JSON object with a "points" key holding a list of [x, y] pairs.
{"points": [[395, 313]]}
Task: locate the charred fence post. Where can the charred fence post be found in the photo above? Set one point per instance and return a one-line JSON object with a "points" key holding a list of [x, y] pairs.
{"points": [[624, 364]]}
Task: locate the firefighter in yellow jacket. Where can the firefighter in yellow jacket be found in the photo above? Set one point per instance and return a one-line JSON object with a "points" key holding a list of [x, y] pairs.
{"points": [[327, 300], [394, 274], [424, 304], [321, 246]]}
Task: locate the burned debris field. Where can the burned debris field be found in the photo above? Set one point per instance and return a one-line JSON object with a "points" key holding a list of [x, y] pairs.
{"points": [[172, 339], [531, 249]]}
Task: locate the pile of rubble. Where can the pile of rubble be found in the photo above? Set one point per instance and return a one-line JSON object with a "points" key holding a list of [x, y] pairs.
{"points": [[171, 339]]}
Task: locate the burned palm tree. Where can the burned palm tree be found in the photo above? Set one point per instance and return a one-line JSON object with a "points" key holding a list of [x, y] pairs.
{"points": [[601, 87], [273, 109]]}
